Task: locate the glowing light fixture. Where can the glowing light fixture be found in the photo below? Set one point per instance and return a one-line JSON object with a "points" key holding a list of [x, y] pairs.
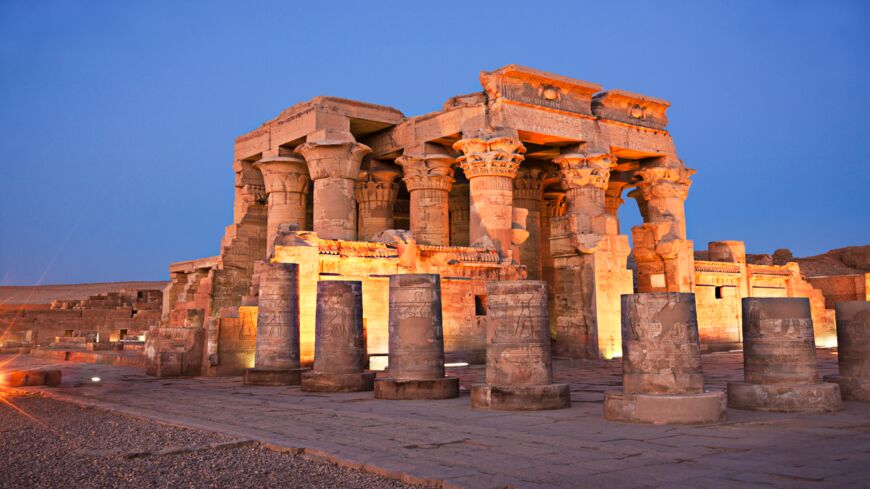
{"points": [[456, 364], [95, 379]]}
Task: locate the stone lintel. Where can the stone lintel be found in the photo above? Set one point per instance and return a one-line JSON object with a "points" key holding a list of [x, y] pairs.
{"points": [[631, 108], [527, 86]]}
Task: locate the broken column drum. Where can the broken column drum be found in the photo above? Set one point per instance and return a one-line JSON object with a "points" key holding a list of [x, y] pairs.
{"points": [[276, 359], [519, 374], [662, 378], [779, 360], [416, 356], [853, 345], [339, 350], [853, 348]]}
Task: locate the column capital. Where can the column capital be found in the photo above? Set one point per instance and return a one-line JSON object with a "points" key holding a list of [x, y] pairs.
{"points": [[529, 184], [284, 174], [370, 191], [583, 170], [497, 156], [427, 171], [664, 182], [333, 154]]}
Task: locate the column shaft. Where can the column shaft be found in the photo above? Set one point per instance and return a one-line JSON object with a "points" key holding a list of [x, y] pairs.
{"points": [[490, 164]]}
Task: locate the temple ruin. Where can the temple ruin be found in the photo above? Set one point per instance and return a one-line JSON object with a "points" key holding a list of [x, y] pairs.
{"points": [[522, 180]]}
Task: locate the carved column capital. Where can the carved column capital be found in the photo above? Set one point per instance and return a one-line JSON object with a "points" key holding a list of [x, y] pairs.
{"points": [[581, 170], [555, 204], [284, 174], [370, 191], [428, 171], [499, 156], [664, 182], [529, 184], [333, 155]]}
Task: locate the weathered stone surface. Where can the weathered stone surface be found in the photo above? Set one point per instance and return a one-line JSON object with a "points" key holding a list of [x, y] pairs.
{"points": [[853, 340], [778, 341], [273, 376], [520, 397], [519, 372], [416, 363], [339, 352], [662, 378], [785, 398], [277, 354], [661, 350], [779, 360]]}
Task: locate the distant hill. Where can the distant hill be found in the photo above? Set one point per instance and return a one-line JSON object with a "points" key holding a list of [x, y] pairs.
{"points": [[44, 294], [841, 261]]}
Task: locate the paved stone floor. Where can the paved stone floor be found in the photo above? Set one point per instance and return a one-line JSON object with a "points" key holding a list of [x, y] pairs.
{"points": [[447, 444]]}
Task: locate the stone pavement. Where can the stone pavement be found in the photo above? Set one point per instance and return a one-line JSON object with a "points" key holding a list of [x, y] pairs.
{"points": [[447, 444]]}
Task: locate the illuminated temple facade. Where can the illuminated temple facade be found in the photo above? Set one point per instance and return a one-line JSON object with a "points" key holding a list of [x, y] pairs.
{"points": [[520, 180]]}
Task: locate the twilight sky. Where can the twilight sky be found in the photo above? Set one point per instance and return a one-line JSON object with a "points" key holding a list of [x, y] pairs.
{"points": [[117, 119]]}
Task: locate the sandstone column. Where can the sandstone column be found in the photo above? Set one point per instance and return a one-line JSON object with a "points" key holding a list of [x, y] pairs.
{"points": [[276, 360], [554, 207], [519, 373], [853, 347], [334, 159], [286, 182], [429, 177], [459, 210], [662, 378], [339, 352], [665, 258], [376, 195], [416, 369], [529, 195], [490, 163], [779, 360], [589, 260]]}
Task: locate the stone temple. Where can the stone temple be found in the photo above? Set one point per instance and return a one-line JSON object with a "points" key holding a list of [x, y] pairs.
{"points": [[521, 180]]}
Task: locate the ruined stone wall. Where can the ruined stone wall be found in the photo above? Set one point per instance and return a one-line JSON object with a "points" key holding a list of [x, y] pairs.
{"points": [[464, 274], [110, 315], [721, 285], [841, 288]]}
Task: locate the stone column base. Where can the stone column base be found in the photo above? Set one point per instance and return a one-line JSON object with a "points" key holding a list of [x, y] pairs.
{"points": [[31, 378], [851, 388], [404, 390], [703, 408], [520, 397], [785, 398], [273, 376], [320, 382]]}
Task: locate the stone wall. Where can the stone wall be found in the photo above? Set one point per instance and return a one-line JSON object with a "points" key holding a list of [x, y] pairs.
{"points": [[111, 316]]}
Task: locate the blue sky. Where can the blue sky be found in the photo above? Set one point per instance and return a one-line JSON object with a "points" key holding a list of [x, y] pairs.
{"points": [[117, 118]]}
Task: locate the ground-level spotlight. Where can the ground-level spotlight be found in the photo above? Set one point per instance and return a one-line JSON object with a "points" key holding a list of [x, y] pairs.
{"points": [[95, 379]]}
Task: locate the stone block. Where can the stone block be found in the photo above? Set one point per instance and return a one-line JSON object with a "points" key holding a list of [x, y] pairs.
{"points": [[415, 389], [703, 408], [520, 397], [273, 376], [326, 382]]}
